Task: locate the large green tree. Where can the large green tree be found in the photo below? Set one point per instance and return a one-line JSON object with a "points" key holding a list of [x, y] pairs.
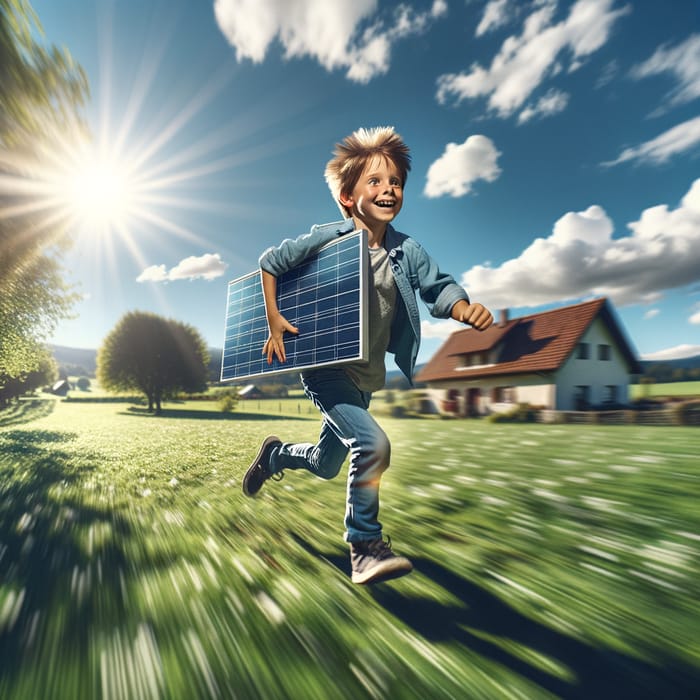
{"points": [[41, 94], [157, 356]]}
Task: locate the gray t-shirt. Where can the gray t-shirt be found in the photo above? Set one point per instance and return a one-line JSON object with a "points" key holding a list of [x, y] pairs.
{"points": [[371, 376]]}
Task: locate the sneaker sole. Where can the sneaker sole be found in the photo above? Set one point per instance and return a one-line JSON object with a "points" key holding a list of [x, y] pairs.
{"points": [[265, 444], [400, 566]]}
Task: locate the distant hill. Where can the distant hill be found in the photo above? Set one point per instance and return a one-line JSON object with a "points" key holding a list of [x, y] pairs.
{"points": [[79, 361], [682, 363], [75, 358]]}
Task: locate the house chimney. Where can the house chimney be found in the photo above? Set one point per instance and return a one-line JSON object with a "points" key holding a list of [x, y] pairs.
{"points": [[502, 317]]}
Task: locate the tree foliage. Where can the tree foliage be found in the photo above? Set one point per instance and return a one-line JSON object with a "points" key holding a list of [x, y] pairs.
{"points": [[156, 356], [45, 373], [41, 93], [40, 85]]}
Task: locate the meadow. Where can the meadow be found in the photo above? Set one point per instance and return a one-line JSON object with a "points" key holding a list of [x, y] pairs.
{"points": [[550, 560], [678, 390]]}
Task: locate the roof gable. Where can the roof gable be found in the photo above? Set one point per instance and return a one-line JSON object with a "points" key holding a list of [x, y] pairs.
{"points": [[536, 343]]}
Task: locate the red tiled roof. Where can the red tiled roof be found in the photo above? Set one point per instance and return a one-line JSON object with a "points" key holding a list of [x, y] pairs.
{"points": [[537, 343]]}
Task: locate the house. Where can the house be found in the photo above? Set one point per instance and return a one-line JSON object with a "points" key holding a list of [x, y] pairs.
{"points": [[566, 359], [61, 387], [250, 391]]}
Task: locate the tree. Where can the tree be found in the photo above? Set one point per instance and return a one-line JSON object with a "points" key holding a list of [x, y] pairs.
{"points": [[156, 356], [45, 373], [40, 86], [41, 92]]}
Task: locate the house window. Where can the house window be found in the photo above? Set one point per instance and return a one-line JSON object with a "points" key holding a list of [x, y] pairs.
{"points": [[610, 395], [583, 351], [603, 352], [582, 397], [477, 358], [504, 394]]}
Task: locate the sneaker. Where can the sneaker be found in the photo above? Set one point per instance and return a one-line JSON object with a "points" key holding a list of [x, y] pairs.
{"points": [[259, 471], [373, 560]]}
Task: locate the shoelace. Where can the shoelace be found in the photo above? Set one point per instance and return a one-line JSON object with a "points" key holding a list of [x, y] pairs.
{"points": [[381, 548], [277, 476]]}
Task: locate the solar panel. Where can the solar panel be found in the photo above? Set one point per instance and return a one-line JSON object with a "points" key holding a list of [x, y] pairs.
{"points": [[325, 297]]}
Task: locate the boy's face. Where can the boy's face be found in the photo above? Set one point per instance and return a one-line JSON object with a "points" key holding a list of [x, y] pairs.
{"points": [[377, 197]]}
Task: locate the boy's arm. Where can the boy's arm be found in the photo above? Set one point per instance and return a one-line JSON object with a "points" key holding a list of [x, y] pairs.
{"points": [[444, 296], [277, 324], [476, 315]]}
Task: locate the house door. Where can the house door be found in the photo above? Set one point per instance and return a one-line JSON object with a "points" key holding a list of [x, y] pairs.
{"points": [[472, 397]]}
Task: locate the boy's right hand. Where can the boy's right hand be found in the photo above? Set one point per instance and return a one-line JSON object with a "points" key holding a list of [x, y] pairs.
{"points": [[274, 345]]}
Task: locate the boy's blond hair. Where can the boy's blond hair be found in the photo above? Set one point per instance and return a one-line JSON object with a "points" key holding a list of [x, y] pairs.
{"points": [[354, 152]]}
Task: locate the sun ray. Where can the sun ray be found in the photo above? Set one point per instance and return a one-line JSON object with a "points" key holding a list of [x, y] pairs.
{"points": [[203, 97], [166, 224]]}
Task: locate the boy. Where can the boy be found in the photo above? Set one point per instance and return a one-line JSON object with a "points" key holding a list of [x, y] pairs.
{"points": [[366, 178]]}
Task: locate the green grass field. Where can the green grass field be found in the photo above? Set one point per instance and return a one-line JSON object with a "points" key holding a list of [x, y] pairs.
{"points": [[551, 561], [671, 389]]}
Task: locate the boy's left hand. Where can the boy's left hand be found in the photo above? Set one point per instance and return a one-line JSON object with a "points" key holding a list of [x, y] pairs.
{"points": [[476, 315]]}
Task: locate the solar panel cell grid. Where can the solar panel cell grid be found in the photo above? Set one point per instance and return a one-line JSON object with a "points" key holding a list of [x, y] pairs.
{"points": [[324, 297]]}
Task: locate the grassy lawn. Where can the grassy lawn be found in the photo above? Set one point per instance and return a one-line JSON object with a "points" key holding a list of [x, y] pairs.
{"points": [[551, 561], [677, 389]]}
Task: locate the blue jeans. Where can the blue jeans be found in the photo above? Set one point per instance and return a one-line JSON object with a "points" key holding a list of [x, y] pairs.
{"points": [[347, 427]]}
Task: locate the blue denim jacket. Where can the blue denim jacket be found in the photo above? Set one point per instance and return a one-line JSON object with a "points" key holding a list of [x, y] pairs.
{"points": [[414, 270]]}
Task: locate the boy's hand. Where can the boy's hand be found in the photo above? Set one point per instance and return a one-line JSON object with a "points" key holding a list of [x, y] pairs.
{"points": [[476, 315], [274, 345]]}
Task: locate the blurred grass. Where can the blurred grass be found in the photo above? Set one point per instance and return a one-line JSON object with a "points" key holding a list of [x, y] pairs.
{"points": [[669, 389], [551, 561]]}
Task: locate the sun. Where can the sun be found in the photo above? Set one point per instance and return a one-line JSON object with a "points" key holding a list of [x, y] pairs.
{"points": [[100, 192], [97, 186]]}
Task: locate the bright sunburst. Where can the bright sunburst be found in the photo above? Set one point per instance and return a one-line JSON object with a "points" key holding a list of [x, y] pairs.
{"points": [[141, 174], [100, 193]]}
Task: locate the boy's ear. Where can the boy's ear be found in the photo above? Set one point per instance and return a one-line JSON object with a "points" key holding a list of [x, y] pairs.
{"points": [[346, 200]]}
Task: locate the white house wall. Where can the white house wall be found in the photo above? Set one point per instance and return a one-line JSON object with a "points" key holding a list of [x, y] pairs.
{"points": [[533, 389], [595, 373]]}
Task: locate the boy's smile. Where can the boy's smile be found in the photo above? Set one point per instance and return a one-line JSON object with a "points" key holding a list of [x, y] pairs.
{"points": [[377, 197]]}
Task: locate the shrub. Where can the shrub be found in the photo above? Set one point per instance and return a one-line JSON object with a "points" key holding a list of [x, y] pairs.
{"points": [[522, 413], [83, 383], [397, 411], [687, 412], [228, 400]]}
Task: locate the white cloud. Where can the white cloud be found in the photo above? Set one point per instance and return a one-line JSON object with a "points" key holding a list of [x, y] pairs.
{"points": [[496, 14], [683, 62], [695, 318], [154, 273], [462, 164], [680, 138], [675, 353], [651, 313], [553, 102], [582, 259], [439, 329], [208, 266], [336, 33], [524, 62]]}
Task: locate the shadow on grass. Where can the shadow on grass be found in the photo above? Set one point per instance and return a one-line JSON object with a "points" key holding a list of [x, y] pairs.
{"points": [[599, 673], [212, 415], [26, 410], [55, 581]]}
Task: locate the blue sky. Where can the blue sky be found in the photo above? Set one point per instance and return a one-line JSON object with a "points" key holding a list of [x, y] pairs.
{"points": [[555, 148]]}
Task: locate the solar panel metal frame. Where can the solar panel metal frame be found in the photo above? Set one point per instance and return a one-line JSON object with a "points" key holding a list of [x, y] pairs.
{"points": [[246, 326]]}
